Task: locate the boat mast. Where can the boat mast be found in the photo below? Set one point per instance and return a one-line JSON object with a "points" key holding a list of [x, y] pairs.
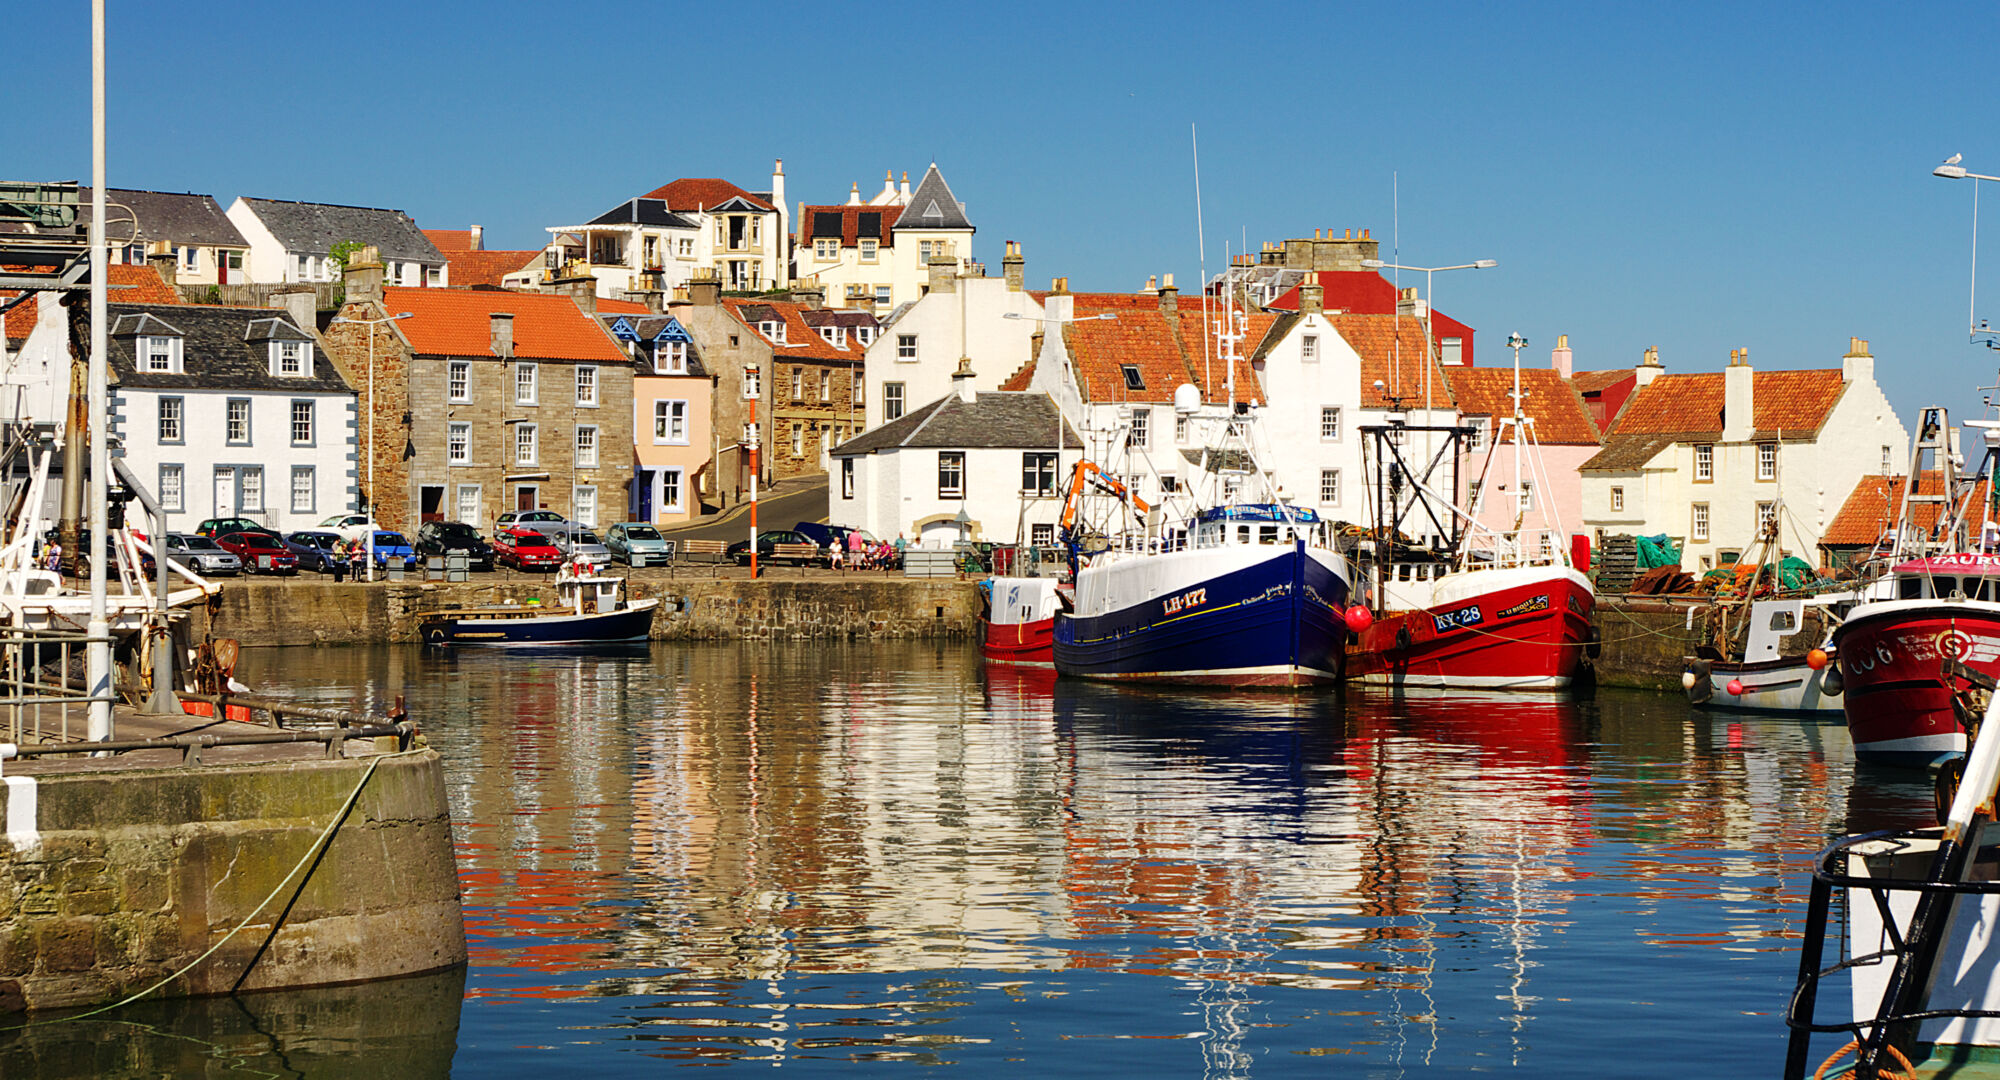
{"points": [[98, 655], [1515, 341]]}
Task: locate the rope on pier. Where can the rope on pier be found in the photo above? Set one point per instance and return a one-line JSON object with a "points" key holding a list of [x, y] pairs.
{"points": [[1909, 1071], [312, 852]]}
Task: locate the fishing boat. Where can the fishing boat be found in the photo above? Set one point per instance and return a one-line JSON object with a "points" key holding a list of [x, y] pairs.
{"points": [[1763, 677], [1940, 600], [1475, 608], [589, 609], [1019, 621]]}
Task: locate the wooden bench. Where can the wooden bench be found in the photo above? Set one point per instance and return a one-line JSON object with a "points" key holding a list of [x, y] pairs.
{"points": [[698, 555], [800, 555]]}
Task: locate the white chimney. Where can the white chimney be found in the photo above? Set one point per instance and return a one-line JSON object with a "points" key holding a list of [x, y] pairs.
{"points": [[888, 195], [906, 188], [1560, 358], [961, 382], [478, 238], [854, 195], [1858, 365], [1649, 368], [1738, 407]]}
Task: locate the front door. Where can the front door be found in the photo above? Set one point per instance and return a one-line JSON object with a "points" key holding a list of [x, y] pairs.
{"points": [[643, 484], [430, 503], [225, 493], [527, 497]]}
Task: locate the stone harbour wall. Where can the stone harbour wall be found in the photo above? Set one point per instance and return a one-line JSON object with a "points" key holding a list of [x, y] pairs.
{"points": [[311, 611], [1646, 640], [112, 880]]}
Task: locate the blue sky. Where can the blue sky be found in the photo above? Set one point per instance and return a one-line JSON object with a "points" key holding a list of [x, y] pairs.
{"points": [[1699, 177]]}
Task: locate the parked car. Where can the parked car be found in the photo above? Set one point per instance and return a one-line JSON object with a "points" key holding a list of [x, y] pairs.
{"points": [[392, 545], [349, 526], [435, 539], [586, 546], [202, 555], [547, 522], [525, 549], [829, 537], [316, 549], [739, 552], [636, 543], [261, 552], [215, 527]]}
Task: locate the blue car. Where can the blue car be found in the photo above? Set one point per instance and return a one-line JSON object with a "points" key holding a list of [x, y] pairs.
{"points": [[391, 545], [317, 549]]}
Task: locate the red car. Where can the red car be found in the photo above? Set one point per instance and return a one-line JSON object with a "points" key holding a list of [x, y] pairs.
{"points": [[524, 549], [261, 552]]}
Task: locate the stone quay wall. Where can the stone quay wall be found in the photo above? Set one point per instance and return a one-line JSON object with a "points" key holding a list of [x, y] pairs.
{"points": [[1646, 639], [127, 875], [313, 611]]}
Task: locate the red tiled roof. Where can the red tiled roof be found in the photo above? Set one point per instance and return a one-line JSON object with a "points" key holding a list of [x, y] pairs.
{"points": [[691, 193], [1781, 401], [457, 322], [1557, 410], [621, 307], [20, 319], [1021, 378], [146, 286], [1393, 353], [850, 223], [1591, 382], [470, 268], [1872, 506], [450, 240], [802, 340], [1367, 292], [1166, 349]]}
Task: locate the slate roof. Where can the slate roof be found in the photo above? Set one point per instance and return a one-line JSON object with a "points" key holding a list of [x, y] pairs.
{"points": [[933, 206], [1872, 506], [222, 348], [469, 268], [1795, 403], [642, 211], [802, 339], [996, 420], [1560, 416], [849, 223], [186, 218], [1627, 453], [703, 193], [647, 328], [458, 322], [313, 229]]}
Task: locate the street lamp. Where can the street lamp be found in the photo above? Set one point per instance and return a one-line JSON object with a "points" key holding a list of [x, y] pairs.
{"points": [[1952, 170], [371, 324], [1429, 305]]}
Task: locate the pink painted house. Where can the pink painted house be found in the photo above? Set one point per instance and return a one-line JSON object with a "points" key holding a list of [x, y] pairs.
{"points": [[1550, 495], [672, 427]]}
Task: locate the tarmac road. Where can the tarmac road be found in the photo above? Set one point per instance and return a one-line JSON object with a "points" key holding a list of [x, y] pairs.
{"points": [[800, 498]]}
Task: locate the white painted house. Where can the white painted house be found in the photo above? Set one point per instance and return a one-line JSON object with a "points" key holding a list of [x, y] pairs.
{"points": [[294, 241], [231, 412], [971, 465], [989, 321], [1704, 458]]}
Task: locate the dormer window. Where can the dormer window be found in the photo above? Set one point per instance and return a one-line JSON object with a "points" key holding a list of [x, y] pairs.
{"points": [[162, 354], [290, 359], [773, 330], [670, 358], [832, 336], [866, 335], [1133, 381]]}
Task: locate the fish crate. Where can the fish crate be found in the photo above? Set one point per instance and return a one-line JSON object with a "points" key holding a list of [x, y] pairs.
{"points": [[1617, 563]]}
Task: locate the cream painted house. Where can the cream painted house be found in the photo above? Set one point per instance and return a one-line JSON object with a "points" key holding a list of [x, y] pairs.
{"points": [[880, 252], [1703, 458]]}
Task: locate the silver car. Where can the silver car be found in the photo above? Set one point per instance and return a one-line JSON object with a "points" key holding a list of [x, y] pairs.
{"points": [[202, 555], [585, 545]]}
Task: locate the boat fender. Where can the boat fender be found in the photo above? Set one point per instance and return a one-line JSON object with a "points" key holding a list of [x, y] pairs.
{"points": [[1735, 688], [1403, 637], [1830, 684], [1593, 646]]}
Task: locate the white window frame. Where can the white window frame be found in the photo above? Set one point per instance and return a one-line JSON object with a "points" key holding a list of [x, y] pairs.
{"points": [[1140, 436], [173, 487], [670, 358], [825, 385], [160, 354], [586, 446], [250, 489], [303, 420], [291, 360], [798, 383], [869, 248], [847, 478], [1524, 499], [304, 490], [1038, 472], [1329, 423], [586, 386], [753, 383], [235, 424], [458, 443], [1698, 523], [892, 396], [527, 378], [527, 444], [1309, 346], [172, 412], [798, 439], [671, 485], [906, 348], [458, 381], [1617, 499], [1767, 461], [774, 329], [956, 491], [826, 248], [1704, 463], [583, 504], [462, 501], [1329, 487], [670, 422]]}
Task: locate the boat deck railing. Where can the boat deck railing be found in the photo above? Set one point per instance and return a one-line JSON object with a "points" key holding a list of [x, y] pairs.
{"points": [[1831, 875], [1485, 550], [42, 684]]}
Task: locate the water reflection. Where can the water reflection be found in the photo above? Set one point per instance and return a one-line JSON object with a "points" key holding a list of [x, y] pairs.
{"points": [[885, 852]]}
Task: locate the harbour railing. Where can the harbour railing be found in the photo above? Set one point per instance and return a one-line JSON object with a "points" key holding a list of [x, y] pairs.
{"points": [[43, 686]]}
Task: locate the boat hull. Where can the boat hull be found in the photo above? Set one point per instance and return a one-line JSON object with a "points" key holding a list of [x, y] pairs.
{"points": [[1274, 623], [629, 624], [1897, 703], [1785, 685], [1031, 643], [1019, 624], [1524, 635]]}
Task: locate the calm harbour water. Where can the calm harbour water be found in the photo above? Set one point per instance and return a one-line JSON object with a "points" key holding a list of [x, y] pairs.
{"points": [[881, 855]]}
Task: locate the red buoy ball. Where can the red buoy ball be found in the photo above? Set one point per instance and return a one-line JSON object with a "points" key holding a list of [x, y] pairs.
{"points": [[1816, 659], [1359, 618], [1735, 688]]}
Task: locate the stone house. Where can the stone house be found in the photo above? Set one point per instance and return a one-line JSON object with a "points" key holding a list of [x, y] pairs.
{"points": [[1705, 458], [229, 412], [484, 401], [293, 242]]}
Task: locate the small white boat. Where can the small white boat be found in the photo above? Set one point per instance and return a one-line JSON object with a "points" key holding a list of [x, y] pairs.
{"points": [[1765, 678]]}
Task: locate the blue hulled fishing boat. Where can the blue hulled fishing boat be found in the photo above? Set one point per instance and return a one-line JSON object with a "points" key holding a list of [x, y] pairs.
{"points": [[589, 610]]}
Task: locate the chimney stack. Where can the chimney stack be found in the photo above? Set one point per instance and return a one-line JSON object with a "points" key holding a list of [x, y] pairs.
{"points": [[363, 276], [905, 196], [1170, 301], [853, 199], [581, 288], [1649, 367], [944, 274], [1312, 296], [501, 327], [961, 382], [1059, 285], [812, 295], [705, 289], [301, 306], [1014, 267], [479, 238], [161, 257], [1858, 365], [1738, 406], [1561, 359]]}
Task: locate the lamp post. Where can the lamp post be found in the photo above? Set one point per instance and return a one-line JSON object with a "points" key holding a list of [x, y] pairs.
{"points": [[371, 324], [1952, 170], [1429, 305]]}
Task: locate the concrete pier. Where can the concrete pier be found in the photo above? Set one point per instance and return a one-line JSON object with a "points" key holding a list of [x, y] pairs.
{"points": [[117, 872]]}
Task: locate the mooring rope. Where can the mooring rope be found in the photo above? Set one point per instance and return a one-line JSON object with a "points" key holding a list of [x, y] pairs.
{"points": [[312, 852], [1909, 1070]]}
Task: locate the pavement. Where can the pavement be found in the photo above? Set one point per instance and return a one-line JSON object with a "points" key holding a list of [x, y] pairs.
{"points": [[799, 498]]}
